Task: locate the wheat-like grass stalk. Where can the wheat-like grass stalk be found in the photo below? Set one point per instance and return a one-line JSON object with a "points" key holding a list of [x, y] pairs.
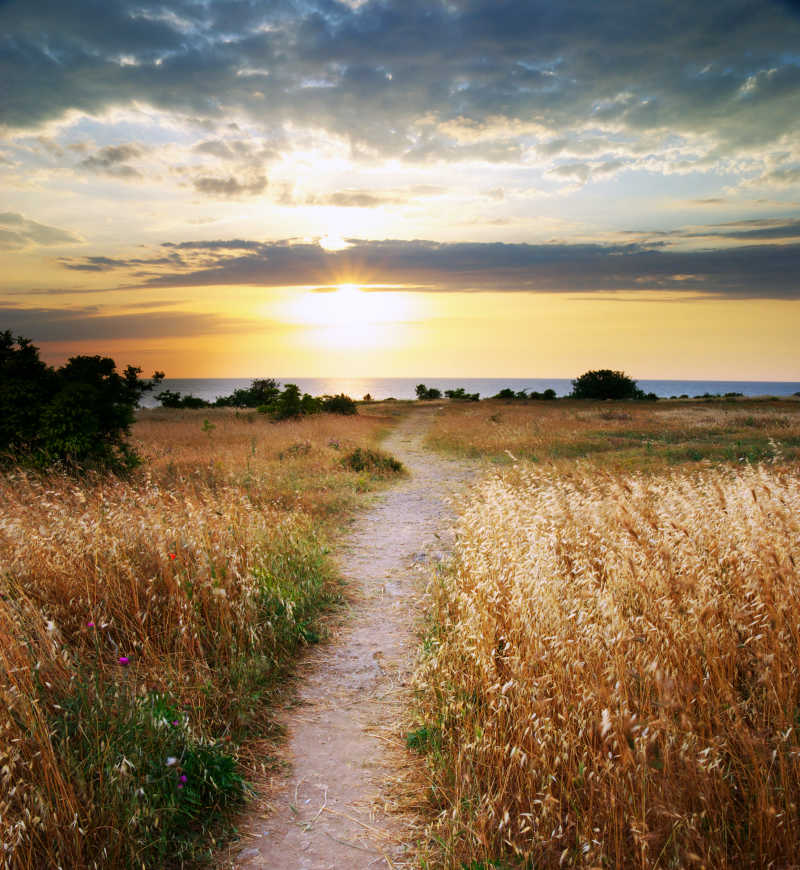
{"points": [[614, 671]]}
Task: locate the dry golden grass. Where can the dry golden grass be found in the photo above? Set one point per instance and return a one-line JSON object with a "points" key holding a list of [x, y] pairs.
{"points": [[622, 434], [613, 671], [177, 593]]}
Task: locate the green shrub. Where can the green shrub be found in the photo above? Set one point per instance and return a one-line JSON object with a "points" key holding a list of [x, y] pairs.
{"points": [[461, 395], [372, 461], [424, 392], [78, 415], [339, 404], [262, 391], [170, 399], [605, 384]]}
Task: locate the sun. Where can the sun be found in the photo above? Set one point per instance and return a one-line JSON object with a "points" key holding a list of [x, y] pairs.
{"points": [[346, 304], [333, 243], [349, 315]]}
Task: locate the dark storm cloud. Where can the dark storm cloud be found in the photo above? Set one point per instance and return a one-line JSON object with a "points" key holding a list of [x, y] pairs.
{"points": [[80, 324], [16, 232], [747, 271], [387, 73]]}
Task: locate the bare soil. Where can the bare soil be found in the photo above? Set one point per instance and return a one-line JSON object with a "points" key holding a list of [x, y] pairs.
{"points": [[334, 806]]}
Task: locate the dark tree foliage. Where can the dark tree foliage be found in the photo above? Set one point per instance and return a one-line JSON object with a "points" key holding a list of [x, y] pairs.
{"points": [[78, 415], [605, 384], [170, 399], [286, 405], [261, 391], [339, 404], [424, 392], [509, 395], [461, 395]]}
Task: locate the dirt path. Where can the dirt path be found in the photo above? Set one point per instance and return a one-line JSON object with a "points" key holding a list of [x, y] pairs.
{"points": [[330, 811]]}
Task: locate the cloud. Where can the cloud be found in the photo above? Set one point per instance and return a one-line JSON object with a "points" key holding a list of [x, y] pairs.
{"points": [[758, 229], [113, 160], [746, 271], [81, 324], [577, 171], [108, 264], [420, 80], [229, 187], [18, 232], [355, 198]]}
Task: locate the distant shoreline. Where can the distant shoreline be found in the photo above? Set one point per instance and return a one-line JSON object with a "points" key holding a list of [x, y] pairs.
{"points": [[403, 388]]}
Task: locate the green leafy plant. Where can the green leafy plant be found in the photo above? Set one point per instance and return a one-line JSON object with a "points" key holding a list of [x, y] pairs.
{"points": [[339, 404], [606, 384], [78, 415], [372, 461], [424, 392]]}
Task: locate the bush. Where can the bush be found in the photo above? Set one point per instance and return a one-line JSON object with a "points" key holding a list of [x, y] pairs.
{"points": [[291, 404], [286, 405], [424, 392], [461, 395], [508, 393], [170, 399], [372, 461], [78, 415], [605, 384], [262, 391], [340, 404]]}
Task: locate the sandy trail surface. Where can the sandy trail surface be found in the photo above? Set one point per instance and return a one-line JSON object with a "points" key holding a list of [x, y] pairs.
{"points": [[332, 809]]}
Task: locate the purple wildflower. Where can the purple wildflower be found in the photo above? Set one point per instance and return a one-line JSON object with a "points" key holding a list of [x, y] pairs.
{"points": [[123, 660]]}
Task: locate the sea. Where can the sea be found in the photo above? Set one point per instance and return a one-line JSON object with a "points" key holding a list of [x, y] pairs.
{"points": [[404, 388]]}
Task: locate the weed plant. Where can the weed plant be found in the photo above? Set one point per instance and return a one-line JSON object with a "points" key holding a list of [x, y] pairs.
{"points": [[612, 675], [145, 622]]}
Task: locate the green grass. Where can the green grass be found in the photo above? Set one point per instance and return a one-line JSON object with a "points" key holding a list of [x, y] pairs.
{"points": [[161, 786]]}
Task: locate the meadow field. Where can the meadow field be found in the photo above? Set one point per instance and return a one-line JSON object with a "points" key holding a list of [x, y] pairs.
{"points": [[619, 435], [145, 624], [610, 674]]}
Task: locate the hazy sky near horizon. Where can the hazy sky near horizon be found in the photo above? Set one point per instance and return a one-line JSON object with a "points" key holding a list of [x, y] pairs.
{"points": [[354, 188]]}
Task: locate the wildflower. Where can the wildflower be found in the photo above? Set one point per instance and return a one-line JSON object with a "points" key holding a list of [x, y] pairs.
{"points": [[180, 785], [90, 624], [173, 555], [183, 778], [171, 761], [123, 660], [175, 722]]}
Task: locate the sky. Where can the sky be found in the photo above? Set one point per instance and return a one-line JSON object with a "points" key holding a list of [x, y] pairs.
{"points": [[355, 188]]}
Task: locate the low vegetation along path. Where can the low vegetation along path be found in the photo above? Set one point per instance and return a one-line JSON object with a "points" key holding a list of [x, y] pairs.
{"points": [[346, 766]]}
